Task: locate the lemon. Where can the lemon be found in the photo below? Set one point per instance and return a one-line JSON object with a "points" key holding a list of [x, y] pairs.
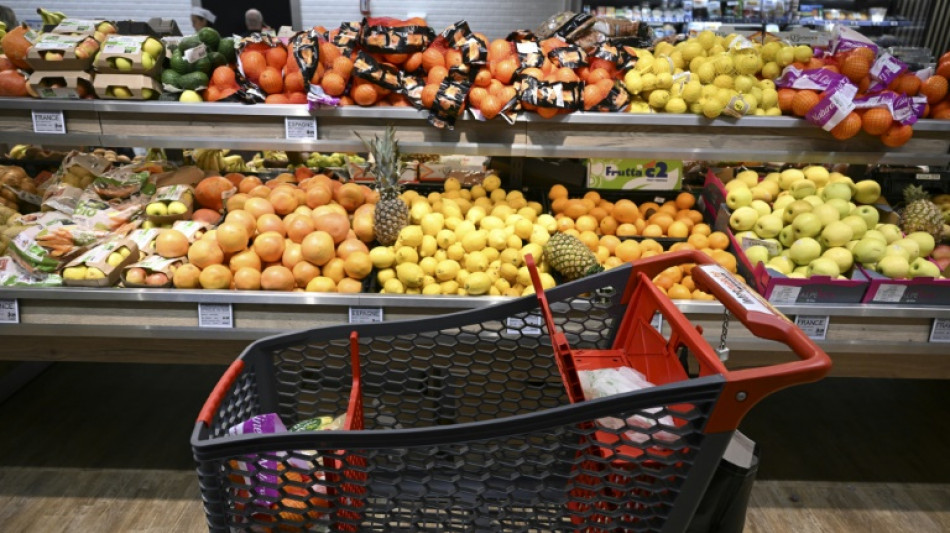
{"points": [[432, 289], [508, 271], [548, 222], [410, 274], [724, 64], [645, 61], [449, 287], [751, 100], [769, 51], [419, 208], [659, 98], [445, 238], [633, 82], [771, 70], [475, 240], [691, 50], [529, 212], [502, 211], [706, 72], [713, 108], [477, 283], [706, 39], [663, 48], [767, 84], [409, 196], [406, 254], [462, 276], [678, 61], [190, 97], [536, 251], [664, 80], [547, 280], [524, 276], [432, 223], [696, 108], [709, 91], [456, 252], [785, 56], [452, 184], [478, 191], [428, 265], [744, 84], [491, 222], [411, 236], [447, 270], [539, 235], [649, 81], [475, 214], [476, 262], [382, 256], [502, 285], [773, 112], [724, 81], [385, 275], [491, 253], [716, 50], [676, 105], [662, 64], [491, 182], [748, 64], [696, 63], [394, 286], [803, 53], [464, 228], [692, 91]]}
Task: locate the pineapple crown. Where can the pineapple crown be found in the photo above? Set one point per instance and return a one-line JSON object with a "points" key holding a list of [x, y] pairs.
{"points": [[913, 193], [386, 162]]}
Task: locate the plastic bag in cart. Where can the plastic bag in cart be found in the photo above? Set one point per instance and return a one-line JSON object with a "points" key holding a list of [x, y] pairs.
{"points": [[604, 382]]}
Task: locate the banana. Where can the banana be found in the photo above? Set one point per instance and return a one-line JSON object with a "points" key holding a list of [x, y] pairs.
{"points": [[233, 163], [50, 18], [19, 151]]}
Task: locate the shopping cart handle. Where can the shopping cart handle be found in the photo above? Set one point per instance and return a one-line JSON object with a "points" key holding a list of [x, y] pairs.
{"points": [[744, 388]]}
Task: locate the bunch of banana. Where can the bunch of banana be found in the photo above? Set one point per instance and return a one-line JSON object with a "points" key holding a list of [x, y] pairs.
{"points": [[210, 159], [276, 159], [233, 163], [18, 151], [256, 163], [156, 154], [50, 18]]}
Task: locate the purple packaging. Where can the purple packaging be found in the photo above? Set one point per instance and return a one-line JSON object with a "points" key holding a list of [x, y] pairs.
{"points": [[264, 470], [847, 39], [886, 68], [816, 79], [837, 103]]}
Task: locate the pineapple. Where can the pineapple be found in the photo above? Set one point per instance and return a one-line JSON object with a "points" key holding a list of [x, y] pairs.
{"points": [[920, 214], [570, 257], [392, 213]]}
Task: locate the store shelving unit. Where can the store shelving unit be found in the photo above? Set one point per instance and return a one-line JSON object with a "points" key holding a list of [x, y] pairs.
{"points": [[138, 325]]}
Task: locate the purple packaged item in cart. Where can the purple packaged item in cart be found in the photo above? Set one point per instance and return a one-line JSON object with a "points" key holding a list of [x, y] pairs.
{"points": [[264, 470]]}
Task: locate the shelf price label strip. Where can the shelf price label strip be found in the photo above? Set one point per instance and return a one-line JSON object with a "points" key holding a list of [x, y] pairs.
{"points": [[815, 326], [940, 331], [215, 316], [49, 122], [365, 315], [300, 128], [9, 311]]}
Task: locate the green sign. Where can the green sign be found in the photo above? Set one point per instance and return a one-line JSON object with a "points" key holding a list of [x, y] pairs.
{"points": [[634, 174]]}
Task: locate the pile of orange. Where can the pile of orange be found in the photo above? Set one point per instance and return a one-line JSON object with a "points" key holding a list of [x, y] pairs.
{"points": [[275, 70], [295, 232]]}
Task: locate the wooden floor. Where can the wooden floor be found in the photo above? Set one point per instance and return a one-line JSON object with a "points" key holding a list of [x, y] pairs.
{"points": [[87, 448]]}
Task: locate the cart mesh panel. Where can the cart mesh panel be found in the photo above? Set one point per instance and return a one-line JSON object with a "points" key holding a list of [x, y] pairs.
{"points": [[621, 472]]}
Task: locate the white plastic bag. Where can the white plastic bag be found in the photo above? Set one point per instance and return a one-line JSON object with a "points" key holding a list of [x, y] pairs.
{"points": [[605, 382]]}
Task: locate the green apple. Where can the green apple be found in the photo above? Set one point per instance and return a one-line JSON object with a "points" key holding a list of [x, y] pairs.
{"points": [[841, 256], [858, 226], [177, 208], [147, 62], [743, 235], [153, 47], [898, 250], [925, 242], [780, 213], [869, 251], [911, 246], [735, 184], [891, 232], [782, 202], [743, 218], [838, 189], [875, 234], [797, 275], [836, 234], [869, 214], [826, 214], [816, 174], [760, 206], [894, 267], [814, 200], [804, 251], [923, 268], [738, 197], [795, 209], [788, 177], [824, 266], [761, 193], [777, 246], [867, 191], [749, 177], [114, 259], [841, 205], [757, 254], [802, 188], [768, 226], [124, 252], [773, 176], [123, 64], [787, 236], [851, 244], [156, 209], [802, 270], [806, 225], [781, 264]]}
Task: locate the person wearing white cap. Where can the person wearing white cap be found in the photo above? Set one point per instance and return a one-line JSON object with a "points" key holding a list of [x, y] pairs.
{"points": [[201, 18]]}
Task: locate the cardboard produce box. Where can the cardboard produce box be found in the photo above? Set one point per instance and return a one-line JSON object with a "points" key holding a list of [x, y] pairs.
{"points": [[73, 52], [130, 49], [71, 84], [126, 87], [153, 272], [144, 239], [84, 27], [884, 290], [166, 199], [98, 257]]}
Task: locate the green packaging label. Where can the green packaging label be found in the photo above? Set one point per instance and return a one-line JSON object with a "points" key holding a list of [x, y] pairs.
{"points": [[634, 174]]}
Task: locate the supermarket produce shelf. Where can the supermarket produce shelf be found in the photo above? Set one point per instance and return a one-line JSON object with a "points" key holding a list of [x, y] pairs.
{"points": [[263, 127], [143, 325]]}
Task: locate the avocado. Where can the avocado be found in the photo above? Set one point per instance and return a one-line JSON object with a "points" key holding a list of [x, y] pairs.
{"points": [[189, 42], [210, 37], [179, 64], [226, 48], [217, 60], [203, 65], [170, 77], [193, 81]]}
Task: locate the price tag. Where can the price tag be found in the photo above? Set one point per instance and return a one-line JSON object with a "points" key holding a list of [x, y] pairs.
{"points": [[815, 327], [300, 128], [889, 293], [365, 315], [927, 177], [659, 199], [785, 294], [657, 322], [736, 289], [215, 316], [193, 55], [49, 122], [749, 242], [940, 332], [9, 312], [530, 325]]}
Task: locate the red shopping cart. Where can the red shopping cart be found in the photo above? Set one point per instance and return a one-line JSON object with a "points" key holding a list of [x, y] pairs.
{"points": [[473, 421]]}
